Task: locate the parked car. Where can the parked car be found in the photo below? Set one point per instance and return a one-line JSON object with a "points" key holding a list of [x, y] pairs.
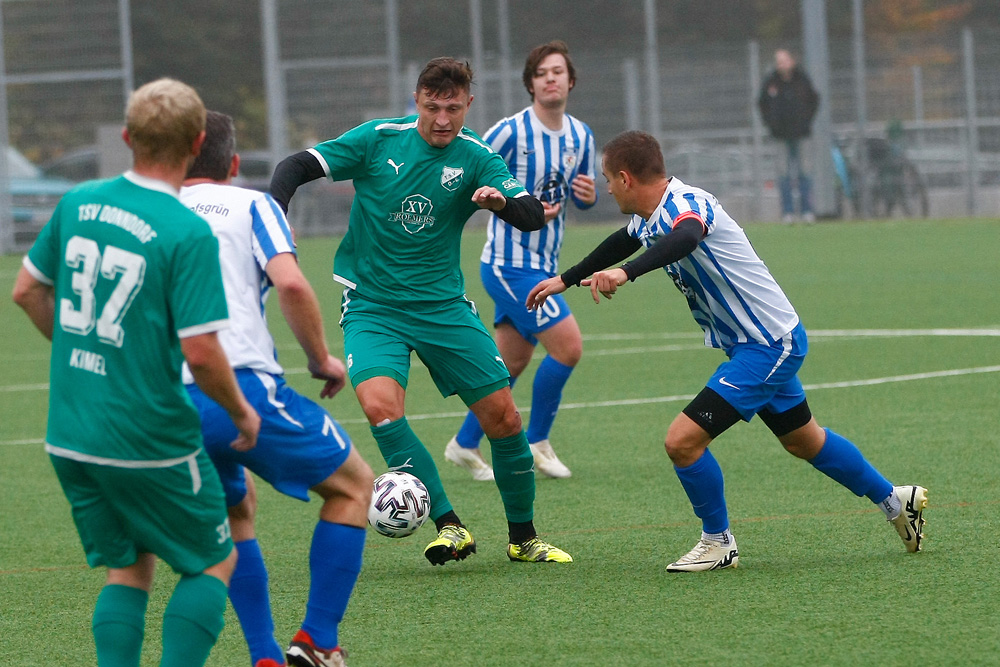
{"points": [[82, 164], [33, 196]]}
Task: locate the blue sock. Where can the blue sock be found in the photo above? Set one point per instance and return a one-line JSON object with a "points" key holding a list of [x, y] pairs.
{"points": [[702, 481], [546, 394], [471, 433], [843, 462], [334, 564], [249, 594]]}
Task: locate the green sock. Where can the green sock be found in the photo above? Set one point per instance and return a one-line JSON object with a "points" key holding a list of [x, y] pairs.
{"points": [[403, 451], [119, 619], [513, 467], [193, 621]]}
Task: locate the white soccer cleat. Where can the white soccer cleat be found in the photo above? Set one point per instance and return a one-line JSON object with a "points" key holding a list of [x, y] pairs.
{"points": [[910, 522], [708, 555], [546, 461], [470, 459]]}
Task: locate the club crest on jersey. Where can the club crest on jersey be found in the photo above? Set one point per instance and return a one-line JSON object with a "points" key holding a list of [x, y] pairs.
{"points": [[552, 188], [451, 178], [414, 213], [569, 160]]}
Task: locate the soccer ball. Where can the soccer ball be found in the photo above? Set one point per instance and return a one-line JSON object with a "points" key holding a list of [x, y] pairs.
{"points": [[400, 504]]}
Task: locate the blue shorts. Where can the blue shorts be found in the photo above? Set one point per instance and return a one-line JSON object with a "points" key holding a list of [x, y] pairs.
{"points": [[760, 376], [299, 444], [509, 287]]}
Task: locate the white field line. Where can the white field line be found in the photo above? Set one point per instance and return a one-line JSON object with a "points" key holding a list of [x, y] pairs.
{"points": [[813, 334], [680, 397]]}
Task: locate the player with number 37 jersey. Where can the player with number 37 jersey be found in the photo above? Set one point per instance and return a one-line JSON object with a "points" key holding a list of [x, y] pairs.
{"points": [[129, 282]]}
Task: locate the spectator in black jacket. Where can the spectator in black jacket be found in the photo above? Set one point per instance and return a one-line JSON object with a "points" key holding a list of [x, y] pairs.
{"points": [[787, 104]]}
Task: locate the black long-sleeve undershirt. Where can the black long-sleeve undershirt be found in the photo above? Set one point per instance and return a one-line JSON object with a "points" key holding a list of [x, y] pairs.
{"points": [[293, 171], [523, 213], [669, 248]]}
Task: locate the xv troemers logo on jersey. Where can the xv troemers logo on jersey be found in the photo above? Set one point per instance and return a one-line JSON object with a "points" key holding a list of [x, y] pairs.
{"points": [[415, 213], [451, 178]]}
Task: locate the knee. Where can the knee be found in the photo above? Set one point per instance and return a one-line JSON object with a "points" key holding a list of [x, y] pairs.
{"points": [[229, 565], [683, 449], [503, 424], [362, 482], [241, 517], [224, 569], [379, 409], [570, 355], [804, 442]]}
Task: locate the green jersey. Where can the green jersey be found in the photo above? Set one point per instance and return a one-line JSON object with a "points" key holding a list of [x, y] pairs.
{"points": [[133, 272], [411, 202]]}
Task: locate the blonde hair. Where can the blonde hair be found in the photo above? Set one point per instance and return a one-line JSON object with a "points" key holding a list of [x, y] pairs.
{"points": [[163, 118]]}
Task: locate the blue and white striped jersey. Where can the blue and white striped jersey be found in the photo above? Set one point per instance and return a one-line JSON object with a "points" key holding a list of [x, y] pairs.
{"points": [[546, 162], [251, 229], [730, 291]]}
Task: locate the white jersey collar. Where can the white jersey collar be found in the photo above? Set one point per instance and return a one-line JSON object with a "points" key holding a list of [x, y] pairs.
{"points": [[544, 128]]}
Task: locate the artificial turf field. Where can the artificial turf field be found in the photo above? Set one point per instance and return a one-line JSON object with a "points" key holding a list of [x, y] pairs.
{"points": [[904, 323]]}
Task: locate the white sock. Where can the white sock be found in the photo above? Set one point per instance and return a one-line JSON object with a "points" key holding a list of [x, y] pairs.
{"points": [[725, 537], [891, 506]]}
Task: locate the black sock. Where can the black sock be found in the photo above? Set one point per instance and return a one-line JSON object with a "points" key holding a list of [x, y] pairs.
{"points": [[445, 519], [520, 531]]}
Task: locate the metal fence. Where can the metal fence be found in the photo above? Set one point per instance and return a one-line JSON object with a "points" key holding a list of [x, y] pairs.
{"points": [[329, 66]]}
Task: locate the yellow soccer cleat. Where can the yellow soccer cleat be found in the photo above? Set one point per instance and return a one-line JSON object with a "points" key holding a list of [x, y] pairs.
{"points": [[452, 543], [536, 551]]}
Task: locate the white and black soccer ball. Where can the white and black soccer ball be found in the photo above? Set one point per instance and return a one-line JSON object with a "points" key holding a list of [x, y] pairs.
{"points": [[400, 504]]}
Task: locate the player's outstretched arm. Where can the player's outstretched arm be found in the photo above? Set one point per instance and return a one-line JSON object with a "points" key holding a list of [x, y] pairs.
{"points": [[605, 282], [300, 308], [543, 290], [36, 299], [293, 171], [617, 247], [210, 368], [669, 248], [524, 213]]}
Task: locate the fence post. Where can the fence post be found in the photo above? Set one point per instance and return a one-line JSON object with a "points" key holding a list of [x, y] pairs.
{"points": [[6, 214], [861, 101], [757, 182], [816, 47], [652, 69], [396, 103], [972, 127], [125, 46], [918, 103], [478, 119], [630, 81], [503, 34], [274, 83]]}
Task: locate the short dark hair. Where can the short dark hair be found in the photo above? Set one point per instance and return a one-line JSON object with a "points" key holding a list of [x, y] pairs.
{"points": [[636, 152], [445, 77], [540, 53], [217, 152]]}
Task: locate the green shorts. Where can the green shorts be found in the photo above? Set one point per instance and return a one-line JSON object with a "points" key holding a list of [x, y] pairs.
{"points": [[176, 512], [449, 338]]}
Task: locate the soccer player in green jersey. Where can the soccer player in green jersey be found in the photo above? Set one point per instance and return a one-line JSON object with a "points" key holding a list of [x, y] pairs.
{"points": [[125, 282], [417, 182]]}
